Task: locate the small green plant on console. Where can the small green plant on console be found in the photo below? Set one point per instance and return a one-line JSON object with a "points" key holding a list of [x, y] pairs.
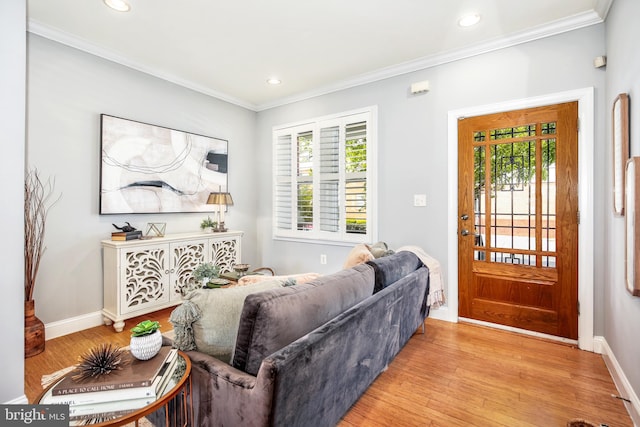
{"points": [[208, 223]]}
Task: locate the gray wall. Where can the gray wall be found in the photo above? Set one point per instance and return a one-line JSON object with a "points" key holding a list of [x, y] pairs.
{"points": [[13, 63], [68, 90], [621, 310], [412, 135]]}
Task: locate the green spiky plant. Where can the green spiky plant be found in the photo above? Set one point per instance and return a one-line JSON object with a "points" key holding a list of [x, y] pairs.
{"points": [[146, 327], [98, 361]]}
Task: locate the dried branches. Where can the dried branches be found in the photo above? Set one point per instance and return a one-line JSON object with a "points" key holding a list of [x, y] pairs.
{"points": [[36, 206]]}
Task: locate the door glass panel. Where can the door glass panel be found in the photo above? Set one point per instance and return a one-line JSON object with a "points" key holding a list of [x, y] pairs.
{"points": [[548, 201], [513, 201], [479, 197]]}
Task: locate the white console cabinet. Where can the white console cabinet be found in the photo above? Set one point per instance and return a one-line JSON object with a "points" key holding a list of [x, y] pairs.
{"points": [[141, 276]]}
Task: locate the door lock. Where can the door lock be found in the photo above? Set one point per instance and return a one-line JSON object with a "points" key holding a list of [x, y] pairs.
{"points": [[464, 217], [464, 232]]}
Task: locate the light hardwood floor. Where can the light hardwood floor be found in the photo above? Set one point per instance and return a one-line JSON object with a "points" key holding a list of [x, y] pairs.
{"points": [[453, 375]]}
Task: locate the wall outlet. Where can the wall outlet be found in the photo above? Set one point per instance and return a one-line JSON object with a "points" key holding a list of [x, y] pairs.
{"points": [[419, 200], [323, 259]]}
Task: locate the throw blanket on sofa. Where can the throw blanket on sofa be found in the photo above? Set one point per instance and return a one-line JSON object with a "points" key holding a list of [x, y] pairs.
{"points": [[436, 291]]}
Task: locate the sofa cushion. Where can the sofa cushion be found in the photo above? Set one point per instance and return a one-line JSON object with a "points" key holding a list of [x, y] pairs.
{"points": [[215, 331], [275, 318], [358, 255], [392, 268]]}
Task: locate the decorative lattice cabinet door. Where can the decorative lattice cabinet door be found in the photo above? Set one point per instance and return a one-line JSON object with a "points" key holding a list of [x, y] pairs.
{"points": [[185, 257], [225, 253], [142, 276]]}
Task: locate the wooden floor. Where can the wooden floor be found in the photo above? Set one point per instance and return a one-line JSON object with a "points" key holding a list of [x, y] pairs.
{"points": [[453, 375]]}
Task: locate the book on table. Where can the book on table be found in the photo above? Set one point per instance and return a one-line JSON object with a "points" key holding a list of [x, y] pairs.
{"points": [[136, 380], [101, 411], [126, 235]]}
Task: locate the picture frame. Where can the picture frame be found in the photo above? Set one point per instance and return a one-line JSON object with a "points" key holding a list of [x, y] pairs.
{"points": [[632, 226], [148, 168], [620, 143]]}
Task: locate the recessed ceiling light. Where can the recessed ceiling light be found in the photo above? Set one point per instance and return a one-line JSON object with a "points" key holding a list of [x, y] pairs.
{"points": [[469, 20], [119, 5], [274, 81]]}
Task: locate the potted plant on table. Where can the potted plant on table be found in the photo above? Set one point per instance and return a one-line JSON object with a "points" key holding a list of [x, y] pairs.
{"points": [[146, 340], [206, 272]]}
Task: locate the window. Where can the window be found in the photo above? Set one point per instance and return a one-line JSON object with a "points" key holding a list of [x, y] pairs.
{"points": [[324, 179]]}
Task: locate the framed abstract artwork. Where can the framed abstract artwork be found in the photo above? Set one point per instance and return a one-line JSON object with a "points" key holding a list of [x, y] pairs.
{"points": [[153, 169], [632, 226], [620, 141]]}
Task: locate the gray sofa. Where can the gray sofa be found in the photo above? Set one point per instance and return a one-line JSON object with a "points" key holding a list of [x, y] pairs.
{"points": [[305, 353]]}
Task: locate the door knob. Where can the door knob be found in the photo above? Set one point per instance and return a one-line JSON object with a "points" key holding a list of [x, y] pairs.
{"points": [[464, 217], [464, 232]]}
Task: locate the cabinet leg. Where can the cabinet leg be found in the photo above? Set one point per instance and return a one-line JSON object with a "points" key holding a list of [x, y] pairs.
{"points": [[118, 326], [106, 320]]}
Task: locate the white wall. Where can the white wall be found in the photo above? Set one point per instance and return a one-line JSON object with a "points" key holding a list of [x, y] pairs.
{"points": [[413, 139], [13, 62], [621, 310], [67, 91]]}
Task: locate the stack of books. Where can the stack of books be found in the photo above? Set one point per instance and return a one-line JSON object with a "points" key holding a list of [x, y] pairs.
{"points": [[138, 384], [126, 235]]}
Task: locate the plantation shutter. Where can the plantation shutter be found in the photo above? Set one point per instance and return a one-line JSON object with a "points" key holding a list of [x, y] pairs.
{"points": [[304, 179], [322, 179], [282, 197], [356, 178], [330, 179]]}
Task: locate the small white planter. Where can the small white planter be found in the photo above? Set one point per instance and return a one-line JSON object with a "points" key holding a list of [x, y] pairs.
{"points": [[147, 346]]}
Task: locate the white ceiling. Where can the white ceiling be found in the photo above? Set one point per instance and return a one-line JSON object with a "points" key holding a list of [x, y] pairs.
{"points": [[229, 49]]}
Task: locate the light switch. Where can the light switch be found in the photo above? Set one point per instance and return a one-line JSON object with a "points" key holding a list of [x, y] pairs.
{"points": [[419, 200]]}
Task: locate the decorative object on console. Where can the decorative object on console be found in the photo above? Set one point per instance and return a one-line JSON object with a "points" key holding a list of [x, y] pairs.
{"points": [[125, 228], [156, 229], [223, 200], [241, 269], [154, 169], [208, 224], [126, 232], [37, 202], [146, 340]]}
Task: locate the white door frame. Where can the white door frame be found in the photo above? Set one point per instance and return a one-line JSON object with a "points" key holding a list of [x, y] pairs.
{"points": [[585, 98]]}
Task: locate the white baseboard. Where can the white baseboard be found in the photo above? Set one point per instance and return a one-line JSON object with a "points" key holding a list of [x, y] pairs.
{"points": [[73, 324], [22, 400], [443, 313], [620, 380]]}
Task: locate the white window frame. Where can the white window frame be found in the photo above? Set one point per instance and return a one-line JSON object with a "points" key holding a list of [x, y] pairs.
{"points": [[339, 237]]}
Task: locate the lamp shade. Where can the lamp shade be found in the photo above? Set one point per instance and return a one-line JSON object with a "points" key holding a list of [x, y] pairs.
{"points": [[220, 199]]}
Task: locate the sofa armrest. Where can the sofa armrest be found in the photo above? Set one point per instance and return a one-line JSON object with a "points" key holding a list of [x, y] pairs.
{"points": [[221, 370], [224, 395]]}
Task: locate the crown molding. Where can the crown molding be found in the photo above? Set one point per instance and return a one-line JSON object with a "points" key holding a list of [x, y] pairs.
{"points": [[65, 38], [564, 25], [571, 23], [602, 8]]}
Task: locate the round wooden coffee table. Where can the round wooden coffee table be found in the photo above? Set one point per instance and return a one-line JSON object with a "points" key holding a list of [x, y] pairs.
{"points": [[176, 399]]}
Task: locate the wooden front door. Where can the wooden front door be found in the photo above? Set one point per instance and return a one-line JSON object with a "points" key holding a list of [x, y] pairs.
{"points": [[518, 219]]}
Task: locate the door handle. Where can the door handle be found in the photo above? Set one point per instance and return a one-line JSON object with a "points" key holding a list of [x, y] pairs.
{"points": [[464, 232], [464, 217]]}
